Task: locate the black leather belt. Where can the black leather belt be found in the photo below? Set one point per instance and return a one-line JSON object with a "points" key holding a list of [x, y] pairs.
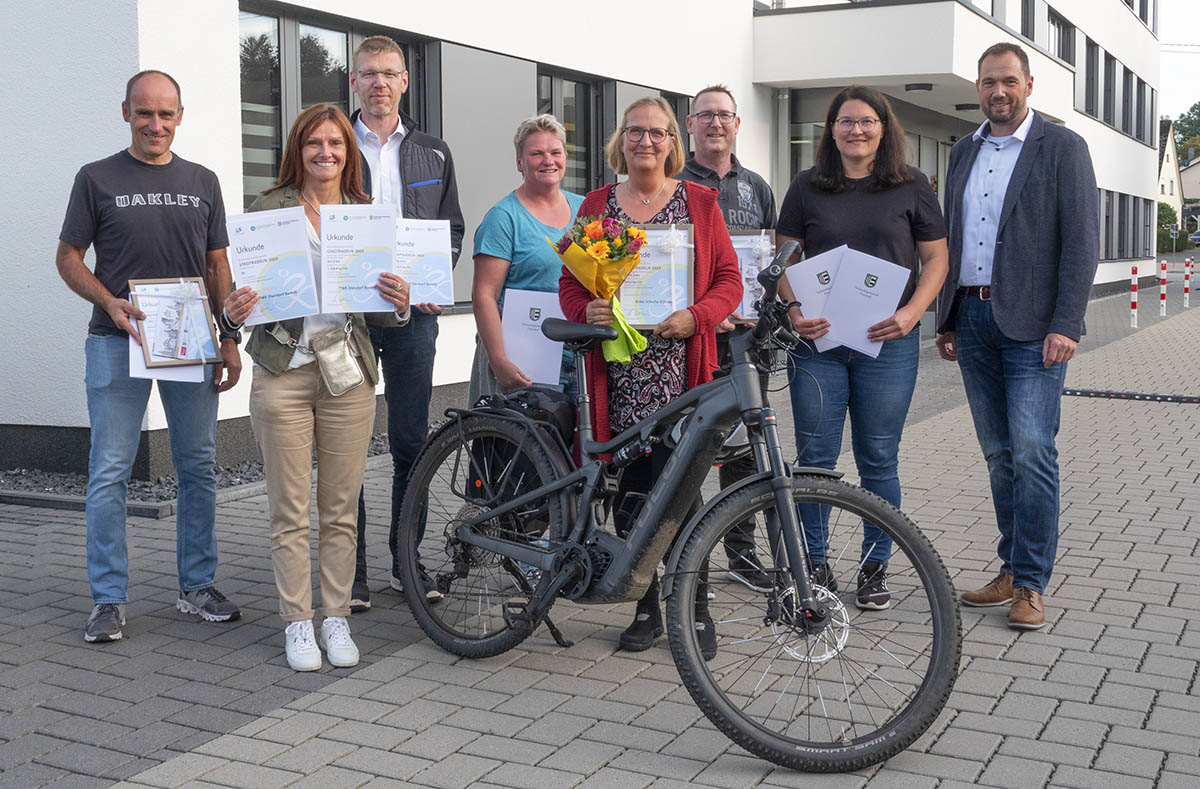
{"points": [[981, 292]]}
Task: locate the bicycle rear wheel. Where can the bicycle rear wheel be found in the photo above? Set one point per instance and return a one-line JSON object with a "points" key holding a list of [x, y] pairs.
{"points": [[847, 696], [468, 466]]}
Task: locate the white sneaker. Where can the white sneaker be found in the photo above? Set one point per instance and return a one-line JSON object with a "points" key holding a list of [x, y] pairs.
{"points": [[302, 651], [339, 646]]}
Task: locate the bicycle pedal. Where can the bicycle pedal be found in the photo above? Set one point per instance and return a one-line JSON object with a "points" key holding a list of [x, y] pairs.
{"points": [[515, 616]]}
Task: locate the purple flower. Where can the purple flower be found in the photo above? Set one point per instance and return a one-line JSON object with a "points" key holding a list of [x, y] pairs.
{"points": [[612, 228], [564, 244], [635, 245]]}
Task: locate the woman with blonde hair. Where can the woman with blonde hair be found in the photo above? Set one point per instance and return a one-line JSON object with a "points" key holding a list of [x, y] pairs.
{"points": [[681, 351], [303, 395], [511, 250]]}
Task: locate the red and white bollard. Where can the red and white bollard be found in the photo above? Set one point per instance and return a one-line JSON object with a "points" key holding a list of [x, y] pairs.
{"points": [[1187, 283], [1133, 299], [1162, 288]]}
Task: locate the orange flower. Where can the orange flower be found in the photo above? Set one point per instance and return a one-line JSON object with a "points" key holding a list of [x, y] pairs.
{"points": [[595, 231], [598, 250]]}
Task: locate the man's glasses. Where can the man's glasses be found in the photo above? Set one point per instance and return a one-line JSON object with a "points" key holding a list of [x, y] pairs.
{"points": [[390, 76], [657, 136], [706, 117], [845, 125]]}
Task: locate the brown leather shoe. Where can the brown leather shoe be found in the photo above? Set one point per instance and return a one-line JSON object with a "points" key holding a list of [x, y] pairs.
{"points": [[998, 592], [1027, 612]]}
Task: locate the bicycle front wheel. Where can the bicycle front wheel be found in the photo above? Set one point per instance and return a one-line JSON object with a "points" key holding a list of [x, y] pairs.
{"points": [[835, 698], [469, 466]]}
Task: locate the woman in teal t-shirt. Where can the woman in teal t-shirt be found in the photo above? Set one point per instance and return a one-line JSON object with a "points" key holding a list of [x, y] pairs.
{"points": [[511, 250]]}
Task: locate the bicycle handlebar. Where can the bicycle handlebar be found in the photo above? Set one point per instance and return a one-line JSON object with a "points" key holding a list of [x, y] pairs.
{"points": [[770, 318]]}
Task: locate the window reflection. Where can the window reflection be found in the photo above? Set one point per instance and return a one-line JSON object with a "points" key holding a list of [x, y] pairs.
{"points": [[323, 71], [261, 111]]}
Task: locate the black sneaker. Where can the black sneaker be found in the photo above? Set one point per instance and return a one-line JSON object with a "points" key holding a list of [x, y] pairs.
{"points": [[706, 634], [431, 591], [639, 636], [873, 594], [208, 604], [360, 593], [822, 575], [105, 623], [746, 569]]}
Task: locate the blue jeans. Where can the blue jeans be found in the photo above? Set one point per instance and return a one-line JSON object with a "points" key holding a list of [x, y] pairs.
{"points": [[406, 354], [1015, 403], [116, 406], [877, 393]]}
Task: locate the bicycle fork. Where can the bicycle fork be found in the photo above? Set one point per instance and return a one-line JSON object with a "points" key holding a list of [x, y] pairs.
{"points": [[783, 525]]}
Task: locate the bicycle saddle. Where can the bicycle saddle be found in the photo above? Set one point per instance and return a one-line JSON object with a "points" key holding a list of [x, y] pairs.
{"points": [[560, 330]]}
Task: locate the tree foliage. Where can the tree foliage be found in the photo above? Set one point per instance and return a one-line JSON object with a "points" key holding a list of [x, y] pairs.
{"points": [[1187, 126]]}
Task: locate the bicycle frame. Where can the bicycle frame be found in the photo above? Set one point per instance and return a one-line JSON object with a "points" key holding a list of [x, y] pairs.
{"points": [[620, 569]]}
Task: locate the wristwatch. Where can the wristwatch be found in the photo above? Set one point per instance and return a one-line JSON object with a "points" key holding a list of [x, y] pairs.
{"points": [[226, 330]]}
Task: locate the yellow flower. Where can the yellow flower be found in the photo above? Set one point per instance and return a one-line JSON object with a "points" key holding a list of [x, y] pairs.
{"points": [[636, 232], [594, 230], [617, 242], [598, 250]]}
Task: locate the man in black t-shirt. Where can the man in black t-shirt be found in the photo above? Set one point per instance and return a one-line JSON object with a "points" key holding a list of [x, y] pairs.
{"points": [[147, 213], [747, 204]]}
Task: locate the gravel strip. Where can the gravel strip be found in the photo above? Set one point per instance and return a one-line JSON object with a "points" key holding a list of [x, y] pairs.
{"points": [[162, 489]]}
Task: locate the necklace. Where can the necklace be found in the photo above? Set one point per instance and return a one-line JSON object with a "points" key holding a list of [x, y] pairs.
{"points": [[645, 200]]}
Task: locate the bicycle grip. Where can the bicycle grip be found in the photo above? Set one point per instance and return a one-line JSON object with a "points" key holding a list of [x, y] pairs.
{"points": [[769, 278]]}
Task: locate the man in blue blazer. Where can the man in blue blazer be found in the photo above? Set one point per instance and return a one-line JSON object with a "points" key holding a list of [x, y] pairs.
{"points": [[1023, 214]]}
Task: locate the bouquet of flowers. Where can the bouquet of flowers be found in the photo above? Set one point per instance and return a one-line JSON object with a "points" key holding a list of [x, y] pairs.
{"points": [[601, 253]]}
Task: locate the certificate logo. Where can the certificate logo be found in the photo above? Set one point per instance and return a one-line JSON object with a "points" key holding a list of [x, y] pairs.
{"points": [[251, 228], [237, 230], [823, 278], [535, 313], [870, 280], [333, 217]]}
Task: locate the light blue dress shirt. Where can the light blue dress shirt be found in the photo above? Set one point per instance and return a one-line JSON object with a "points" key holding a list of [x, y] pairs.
{"points": [[983, 200]]}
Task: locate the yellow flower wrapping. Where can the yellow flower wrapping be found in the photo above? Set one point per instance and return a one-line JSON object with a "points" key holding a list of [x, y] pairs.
{"points": [[602, 278]]}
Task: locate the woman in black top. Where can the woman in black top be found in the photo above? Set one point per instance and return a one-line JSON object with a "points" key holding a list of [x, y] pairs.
{"points": [[861, 193]]}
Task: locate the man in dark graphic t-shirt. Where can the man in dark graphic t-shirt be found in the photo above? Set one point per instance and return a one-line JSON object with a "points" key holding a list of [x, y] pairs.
{"points": [[147, 213], [747, 204]]}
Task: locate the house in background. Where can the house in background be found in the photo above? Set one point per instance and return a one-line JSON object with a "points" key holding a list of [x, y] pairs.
{"points": [[1170, 183]]}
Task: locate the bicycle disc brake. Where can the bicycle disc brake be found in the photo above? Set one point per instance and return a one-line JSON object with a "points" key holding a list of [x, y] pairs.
{"points": [[813, 645]]}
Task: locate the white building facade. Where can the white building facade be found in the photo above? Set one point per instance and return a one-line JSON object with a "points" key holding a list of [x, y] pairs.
{"points": [[478, 67]]}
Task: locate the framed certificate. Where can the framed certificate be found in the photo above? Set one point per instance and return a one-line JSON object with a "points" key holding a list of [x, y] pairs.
{"points": [[664, 280], [755, 249], [178, 328]]}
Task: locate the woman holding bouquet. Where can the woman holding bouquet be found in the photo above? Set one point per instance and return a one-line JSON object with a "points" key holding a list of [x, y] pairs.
{"points": [[314, 386], [511, 250], [681, 351]]}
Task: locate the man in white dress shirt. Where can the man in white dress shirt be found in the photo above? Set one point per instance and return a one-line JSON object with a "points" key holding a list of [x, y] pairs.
{"points": [[414, 172]]}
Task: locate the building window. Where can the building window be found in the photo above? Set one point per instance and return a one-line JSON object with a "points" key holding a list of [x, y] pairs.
{"points": [[1141, 111], [288, 64], [1108, 227], [261, 109], [1110, 88], [571, 101], [1127, 100], [1027, 7], [1092, 79], [1124, 242], [1149, 237], [1062, 38]]}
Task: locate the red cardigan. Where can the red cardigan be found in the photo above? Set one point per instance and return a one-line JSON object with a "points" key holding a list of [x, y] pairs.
{"points": [[718, 292]]}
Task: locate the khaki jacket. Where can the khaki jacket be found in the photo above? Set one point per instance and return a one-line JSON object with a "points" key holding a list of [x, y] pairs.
{"points": [[268, 346]]}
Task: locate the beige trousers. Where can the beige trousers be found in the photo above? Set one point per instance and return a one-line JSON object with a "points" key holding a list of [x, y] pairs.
{"points": [[289, 413]]}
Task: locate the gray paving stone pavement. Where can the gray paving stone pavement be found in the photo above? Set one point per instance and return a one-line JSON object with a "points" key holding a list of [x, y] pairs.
{"points": [[1104, 696]]}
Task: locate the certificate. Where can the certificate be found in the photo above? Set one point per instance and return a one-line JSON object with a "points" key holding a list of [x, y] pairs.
{"points": [[178, 327], [521, 327], [188, 373], [268, 251], [423, 260], [755, 249], [866, 291], [358, 244], [663, 281], [811, 280]]}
